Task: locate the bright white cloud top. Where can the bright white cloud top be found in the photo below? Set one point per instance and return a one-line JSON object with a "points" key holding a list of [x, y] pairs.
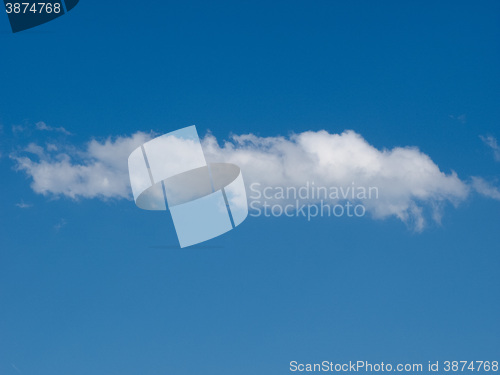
{"points": [[408, 181]]}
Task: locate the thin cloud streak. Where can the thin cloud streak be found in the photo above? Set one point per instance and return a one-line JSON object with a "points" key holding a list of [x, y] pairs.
{"points": [[24, 205], [44, 127], [492, 143], [485, 188]]}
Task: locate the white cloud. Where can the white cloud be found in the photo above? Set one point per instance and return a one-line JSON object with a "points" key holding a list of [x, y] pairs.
{"points": [[99, 171], [461, 118], [43, 126], [18, 129], [24, 205], [51, 147], [491, 142], [408, 181], [35, 149], [485, 188], [60, 224]]}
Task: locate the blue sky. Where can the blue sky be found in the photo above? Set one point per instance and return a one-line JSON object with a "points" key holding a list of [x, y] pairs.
{"points": [[97, 286]]}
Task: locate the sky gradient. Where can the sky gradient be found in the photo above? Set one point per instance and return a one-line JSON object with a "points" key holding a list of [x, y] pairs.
{"points": [[97, 286]]}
